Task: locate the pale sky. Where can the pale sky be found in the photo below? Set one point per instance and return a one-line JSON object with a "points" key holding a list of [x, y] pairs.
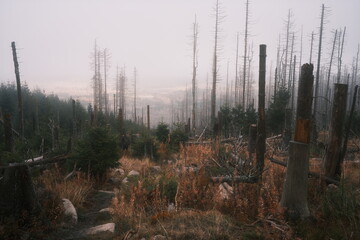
{"points": [[55, 38]]}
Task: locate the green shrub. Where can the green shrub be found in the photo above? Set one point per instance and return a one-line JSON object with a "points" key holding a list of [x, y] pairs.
{"points": [[168, 188], [97, 151], [178, 136], [276, 113], [145, 146], [162, 132]]}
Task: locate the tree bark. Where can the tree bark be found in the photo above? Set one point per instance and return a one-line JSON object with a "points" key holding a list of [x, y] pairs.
{"points": [[18, 84], [261, 129], [9, 140], [294, 195], [333, 153]]}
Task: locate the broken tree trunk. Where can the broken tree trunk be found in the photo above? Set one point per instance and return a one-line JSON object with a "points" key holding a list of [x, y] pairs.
{"points": [[287, 130], [17, 194], [18, 85], [9, 140], [333, 153], [294, 195], [261, 131]]}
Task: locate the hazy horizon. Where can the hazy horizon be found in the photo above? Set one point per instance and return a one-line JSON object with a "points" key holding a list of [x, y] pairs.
{"points": [[55, 39]]}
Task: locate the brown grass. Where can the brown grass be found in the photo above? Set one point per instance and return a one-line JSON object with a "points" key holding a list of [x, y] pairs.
{"points": [[75, 189], [202, 213]]}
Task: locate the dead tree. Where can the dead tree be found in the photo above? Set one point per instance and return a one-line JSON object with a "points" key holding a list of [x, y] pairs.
{"points": [[340, 52], [17, 194], [261, 129], [316, 94], [294, 195], [18, 85], [106, 57], [237, 83], [148, 117], [135, 75], [195, 64], [121, 123], [333, 153], [328, 79], [311, 46], [245, 51], [8, 133], [215, 64], [252, 140]]}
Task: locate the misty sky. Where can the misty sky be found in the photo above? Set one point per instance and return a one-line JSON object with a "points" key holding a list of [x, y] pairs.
{"points": [[55, 38]]}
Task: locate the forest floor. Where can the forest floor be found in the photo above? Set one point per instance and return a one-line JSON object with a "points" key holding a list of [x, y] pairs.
{"points": [[175, 199]]}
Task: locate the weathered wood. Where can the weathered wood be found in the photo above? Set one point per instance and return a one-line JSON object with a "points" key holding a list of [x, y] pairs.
{"points": [[294, 195], [287, 128], [18, 85], [333, 153], [17, 194], [9, 140], [261, 129], [252, 138], [347, 131], [235, 179], [304, 103], [55, 159]]}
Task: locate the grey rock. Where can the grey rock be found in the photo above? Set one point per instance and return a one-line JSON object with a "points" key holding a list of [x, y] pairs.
{"points": [[108, 227], [133, 173], [70, 213]]}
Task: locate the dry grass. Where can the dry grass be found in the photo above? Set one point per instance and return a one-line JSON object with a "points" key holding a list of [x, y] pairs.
{"points": [[75, 189], [202, 213]]}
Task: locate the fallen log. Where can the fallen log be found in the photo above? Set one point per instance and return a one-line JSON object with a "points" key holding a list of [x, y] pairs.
{"points": [[55, 159], [236, 179], [310, 174]]}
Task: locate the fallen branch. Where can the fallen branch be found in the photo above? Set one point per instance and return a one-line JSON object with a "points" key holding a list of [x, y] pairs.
{"points": [[311, 174], [58, 158], [236, 179]]}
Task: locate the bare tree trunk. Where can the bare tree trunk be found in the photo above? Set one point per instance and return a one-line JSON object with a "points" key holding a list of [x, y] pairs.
{"points": [[18, 85], [135, 73], [294, 195], [347, 131], [237, 83], [261, 129], [316, 94], [195, 64], [9, 140], [328, 80], [148, 117], [252, 140], [311, 46], [332, 159], [340, 56], [245, 51], [121, 123], [214, 70]]}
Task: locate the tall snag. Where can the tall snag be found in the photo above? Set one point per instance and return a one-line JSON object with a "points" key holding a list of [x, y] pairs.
{"points": [[215, 65], [195, 64], [294, 195], [314, 134], [334, 150], [261, 130], [18, 85]]}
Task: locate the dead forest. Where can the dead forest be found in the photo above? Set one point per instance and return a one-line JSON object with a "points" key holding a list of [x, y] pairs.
{"points": [[269, 152]]}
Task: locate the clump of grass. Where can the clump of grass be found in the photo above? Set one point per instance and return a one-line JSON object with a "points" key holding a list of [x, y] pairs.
{"points": [[75, 189]]}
